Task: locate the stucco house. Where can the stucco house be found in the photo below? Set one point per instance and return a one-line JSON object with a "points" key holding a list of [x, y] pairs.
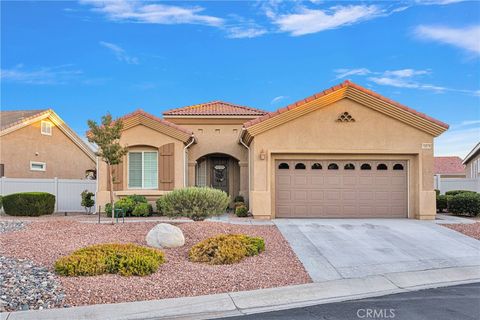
{"points": [[472, 163], [343, 152], [39, 144], [449, 167]]}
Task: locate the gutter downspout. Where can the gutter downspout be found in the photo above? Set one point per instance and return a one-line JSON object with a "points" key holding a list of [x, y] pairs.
{"points": [[249, 166], [185, 164]]}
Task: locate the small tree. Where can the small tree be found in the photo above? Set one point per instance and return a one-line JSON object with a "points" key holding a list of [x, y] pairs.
{"points": [[107, 137], [87, 201]]}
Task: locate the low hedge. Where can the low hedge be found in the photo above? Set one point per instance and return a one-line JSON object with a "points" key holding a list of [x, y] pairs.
{"points": [[455, 192], [128, 204], [226, 249], [241, 211], [442, 203], [32, 204], [1, 203], [193, 202], [466, 203], [124, 259]]}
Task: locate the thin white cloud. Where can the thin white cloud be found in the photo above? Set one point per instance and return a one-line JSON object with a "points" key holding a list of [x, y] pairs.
{"points": [[467, 38], [42, 76], [406, 73], [307, 21], [401, 78], [155, 13], [344, 73], [278, 99], [119, 52], [239, 32], [457, 142]]}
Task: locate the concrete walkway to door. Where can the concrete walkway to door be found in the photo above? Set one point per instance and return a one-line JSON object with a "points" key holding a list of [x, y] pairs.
{"points": [[333, 249]]}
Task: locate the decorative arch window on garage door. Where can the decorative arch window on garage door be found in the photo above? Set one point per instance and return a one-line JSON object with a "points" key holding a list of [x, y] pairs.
{"points": [[382, 166], [300, 166], [349, 166], [283, 166], [365, 166], [398, 166], [332, 166], [316, 166]]}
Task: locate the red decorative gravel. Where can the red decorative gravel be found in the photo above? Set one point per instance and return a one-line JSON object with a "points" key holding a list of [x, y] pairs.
{"points": [[471, 230], [45, 242]]}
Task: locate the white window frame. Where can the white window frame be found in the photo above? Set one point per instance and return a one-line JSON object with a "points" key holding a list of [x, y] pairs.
{"points": [[48, 125], [143, 170], [43, 164]]}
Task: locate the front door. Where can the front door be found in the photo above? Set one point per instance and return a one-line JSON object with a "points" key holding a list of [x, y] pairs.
{"points": [[220, 174]]}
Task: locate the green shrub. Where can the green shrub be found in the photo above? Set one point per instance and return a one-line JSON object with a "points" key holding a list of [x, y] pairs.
{"points": [[29, 204], [193, 202], [226, 249], [455, 192], [239, 199], [142, 210], [465, 203], [241, 211], [87, 200], [1, 203], [437, 192], [124, 259], [126, 204], [442, 203], [108, 209], [138, 199]]}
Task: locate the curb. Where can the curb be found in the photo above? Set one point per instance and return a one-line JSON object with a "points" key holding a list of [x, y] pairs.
{"points": [[262, 300]]}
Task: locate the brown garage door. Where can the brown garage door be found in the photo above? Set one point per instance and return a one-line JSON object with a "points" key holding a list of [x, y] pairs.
{"points": [[340, 189]]}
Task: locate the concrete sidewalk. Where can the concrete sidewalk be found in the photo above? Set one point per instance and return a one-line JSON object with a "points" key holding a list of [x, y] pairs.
{"points": [[248, 302]]}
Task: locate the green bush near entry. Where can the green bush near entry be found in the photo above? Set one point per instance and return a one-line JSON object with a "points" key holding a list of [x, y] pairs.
{"points": [[193, 202], [455, 192]]}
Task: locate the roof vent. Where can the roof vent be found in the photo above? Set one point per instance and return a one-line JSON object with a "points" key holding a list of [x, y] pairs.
{"points": [[345, 117]]}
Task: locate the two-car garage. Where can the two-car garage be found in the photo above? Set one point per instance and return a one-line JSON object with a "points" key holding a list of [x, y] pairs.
{"points": [[341, 188]]}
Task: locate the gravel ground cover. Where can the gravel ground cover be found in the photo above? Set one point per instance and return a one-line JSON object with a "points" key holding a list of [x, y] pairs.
{"points": [[7, 226], [25, 286], [471, 230], [44, 242]]}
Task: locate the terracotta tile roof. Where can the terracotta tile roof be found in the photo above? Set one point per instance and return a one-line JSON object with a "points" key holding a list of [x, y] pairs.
{"points": [[346, 83], [10, 118], [151, 116], [448, 165], [215, 108]]}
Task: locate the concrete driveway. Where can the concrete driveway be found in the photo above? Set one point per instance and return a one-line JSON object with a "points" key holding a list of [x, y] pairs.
{"points": [[349, 248]]}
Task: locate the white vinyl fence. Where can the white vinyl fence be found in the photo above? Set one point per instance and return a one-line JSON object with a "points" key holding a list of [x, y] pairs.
{"points": [[448, 184], [67, 191]]}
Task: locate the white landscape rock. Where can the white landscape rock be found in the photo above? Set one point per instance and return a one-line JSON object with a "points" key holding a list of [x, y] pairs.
{"points": [[165, 235]]}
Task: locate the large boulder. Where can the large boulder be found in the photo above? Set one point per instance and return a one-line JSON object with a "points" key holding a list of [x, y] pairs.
{"points": [[164, 235]]}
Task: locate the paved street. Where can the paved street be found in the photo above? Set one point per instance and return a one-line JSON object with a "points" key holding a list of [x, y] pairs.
{"points": [[450, 303]]}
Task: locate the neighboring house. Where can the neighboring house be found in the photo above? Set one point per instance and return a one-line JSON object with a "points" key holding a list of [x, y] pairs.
{"points": [[472, 163], [449, 167], [39, 144], [344, 152]]}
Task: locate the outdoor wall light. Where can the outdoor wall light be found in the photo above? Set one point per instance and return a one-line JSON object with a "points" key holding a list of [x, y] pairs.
{"points": [[263, 156]]}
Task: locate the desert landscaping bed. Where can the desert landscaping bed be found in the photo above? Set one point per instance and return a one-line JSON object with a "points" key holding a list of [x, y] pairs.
{"points": [[471, 230], [45, 241]]}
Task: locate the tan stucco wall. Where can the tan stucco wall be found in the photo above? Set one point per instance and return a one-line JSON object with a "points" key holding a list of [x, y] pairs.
{"points": [[468, 168], [140, 137], [63, 158], [217, 136], [317, 135]]}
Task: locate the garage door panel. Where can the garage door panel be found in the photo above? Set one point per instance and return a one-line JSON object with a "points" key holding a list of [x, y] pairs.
{"points": [[300, 195], [341, 193]]}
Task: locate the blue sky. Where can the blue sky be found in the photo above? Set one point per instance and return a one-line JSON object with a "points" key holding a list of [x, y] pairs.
{"points": [[85, 58]]}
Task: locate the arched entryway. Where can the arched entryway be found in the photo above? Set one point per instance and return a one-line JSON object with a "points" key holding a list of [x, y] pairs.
{"points": [[220, 171]]}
